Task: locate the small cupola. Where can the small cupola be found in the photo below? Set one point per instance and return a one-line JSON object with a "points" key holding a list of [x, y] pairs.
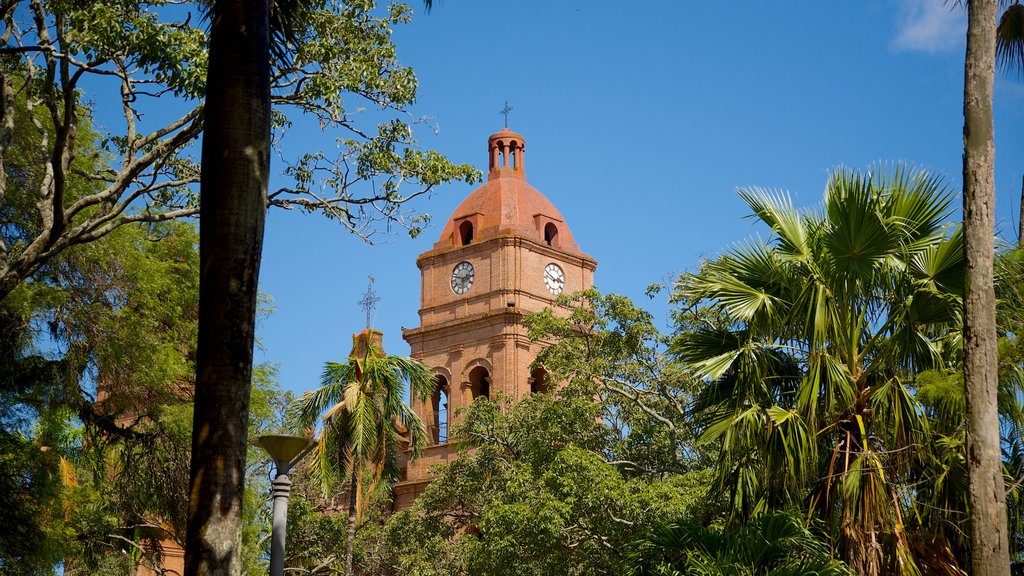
{"points": [[506, 153]]}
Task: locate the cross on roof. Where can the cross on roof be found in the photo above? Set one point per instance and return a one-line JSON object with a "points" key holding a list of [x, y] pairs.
{"points": [[504, 112], [369, 301]]}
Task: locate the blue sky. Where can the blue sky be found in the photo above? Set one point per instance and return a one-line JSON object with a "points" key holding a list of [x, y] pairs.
{"points": [[640, 124]]}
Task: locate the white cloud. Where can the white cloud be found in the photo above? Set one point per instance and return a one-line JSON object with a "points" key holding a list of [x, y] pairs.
{"points": [[929, 26]]}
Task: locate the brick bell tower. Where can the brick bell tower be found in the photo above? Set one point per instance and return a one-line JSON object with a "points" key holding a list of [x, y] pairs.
{"points": [[505, 252]]}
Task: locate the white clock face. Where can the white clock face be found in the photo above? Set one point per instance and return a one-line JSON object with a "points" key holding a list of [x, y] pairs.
{"points": [[462, 277], [554, 279]]}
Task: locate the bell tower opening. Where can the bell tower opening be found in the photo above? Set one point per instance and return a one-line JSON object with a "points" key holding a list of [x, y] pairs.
{"points": [[551, 234], [439, 403], [539, 381], [466, 232], [506, 156], [479, 383]]}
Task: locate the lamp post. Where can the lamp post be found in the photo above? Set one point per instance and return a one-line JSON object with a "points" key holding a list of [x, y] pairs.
{"points": [[285, 451]]}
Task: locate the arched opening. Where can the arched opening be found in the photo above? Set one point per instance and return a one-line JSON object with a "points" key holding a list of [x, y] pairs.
{"points": [[466, 232], [539, 381], [439, 403], [480, 382], [550, 234]]}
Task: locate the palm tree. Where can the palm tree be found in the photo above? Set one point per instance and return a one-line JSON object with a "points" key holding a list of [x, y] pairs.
{"points": [[244, 38], [809, 343], [986, 492], [233, 188], [365, 422], [773, 544]]}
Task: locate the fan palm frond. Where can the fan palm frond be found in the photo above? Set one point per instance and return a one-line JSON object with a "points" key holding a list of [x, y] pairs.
{"points": [[809, 365], [1010, 39]]}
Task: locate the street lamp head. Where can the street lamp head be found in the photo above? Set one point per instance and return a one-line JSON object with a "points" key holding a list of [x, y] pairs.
{"points": [[286, 450]]}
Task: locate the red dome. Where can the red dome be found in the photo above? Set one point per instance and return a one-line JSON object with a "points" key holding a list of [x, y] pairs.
{"points": [[505, 204]]}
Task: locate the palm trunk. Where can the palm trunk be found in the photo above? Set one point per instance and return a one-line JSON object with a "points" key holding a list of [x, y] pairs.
{"points": [[353, 500], [988, 535], [859, 529], [861, 550], [235, 163]]}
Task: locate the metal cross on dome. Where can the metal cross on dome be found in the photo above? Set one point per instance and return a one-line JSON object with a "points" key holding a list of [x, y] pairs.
{"points": [[504, 112], [369, 301]]}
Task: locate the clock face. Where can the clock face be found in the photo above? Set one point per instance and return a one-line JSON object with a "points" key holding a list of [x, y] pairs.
{"points": [[554, 279], [462, 277]]}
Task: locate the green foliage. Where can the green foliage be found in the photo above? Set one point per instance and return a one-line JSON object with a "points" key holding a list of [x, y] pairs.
{"points": [[97, 425], [532, 493], [83, 402], [773, 544], [943, 483], [809, 344], [608, 341], [100, 340], [72, 185], [1010, 39], [1010, 320], [315, 539], [30, 494], [366, 423], [364, 415]]}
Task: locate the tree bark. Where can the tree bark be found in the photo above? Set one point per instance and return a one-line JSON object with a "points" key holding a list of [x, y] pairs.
{"points": [[234, 178], [353, 500], [986, 492]]}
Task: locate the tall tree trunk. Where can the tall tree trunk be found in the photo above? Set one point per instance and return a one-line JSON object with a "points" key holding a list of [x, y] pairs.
{"points": [[353, 501], [235, 163], [986, 492]]}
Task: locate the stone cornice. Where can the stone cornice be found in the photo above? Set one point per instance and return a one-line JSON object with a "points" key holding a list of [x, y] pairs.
{"points": [[499, 295], [504, 238], [484, 320]]}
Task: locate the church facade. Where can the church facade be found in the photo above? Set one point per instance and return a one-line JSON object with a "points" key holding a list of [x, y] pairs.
{"points": [[505, 252]]}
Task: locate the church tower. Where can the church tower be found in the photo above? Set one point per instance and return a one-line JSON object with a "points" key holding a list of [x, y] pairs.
{"points": [[506, 251]]}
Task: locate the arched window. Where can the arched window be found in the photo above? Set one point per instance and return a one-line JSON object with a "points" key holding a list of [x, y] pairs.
{"points": [[439, 403], [480, 382], [466, 232], [550, 234], [539, 381]]}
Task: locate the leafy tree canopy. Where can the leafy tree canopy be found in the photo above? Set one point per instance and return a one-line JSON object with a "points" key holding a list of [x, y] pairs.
{"points": [[533, 494], [95, 405], [61, 60], [608, 341]]}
